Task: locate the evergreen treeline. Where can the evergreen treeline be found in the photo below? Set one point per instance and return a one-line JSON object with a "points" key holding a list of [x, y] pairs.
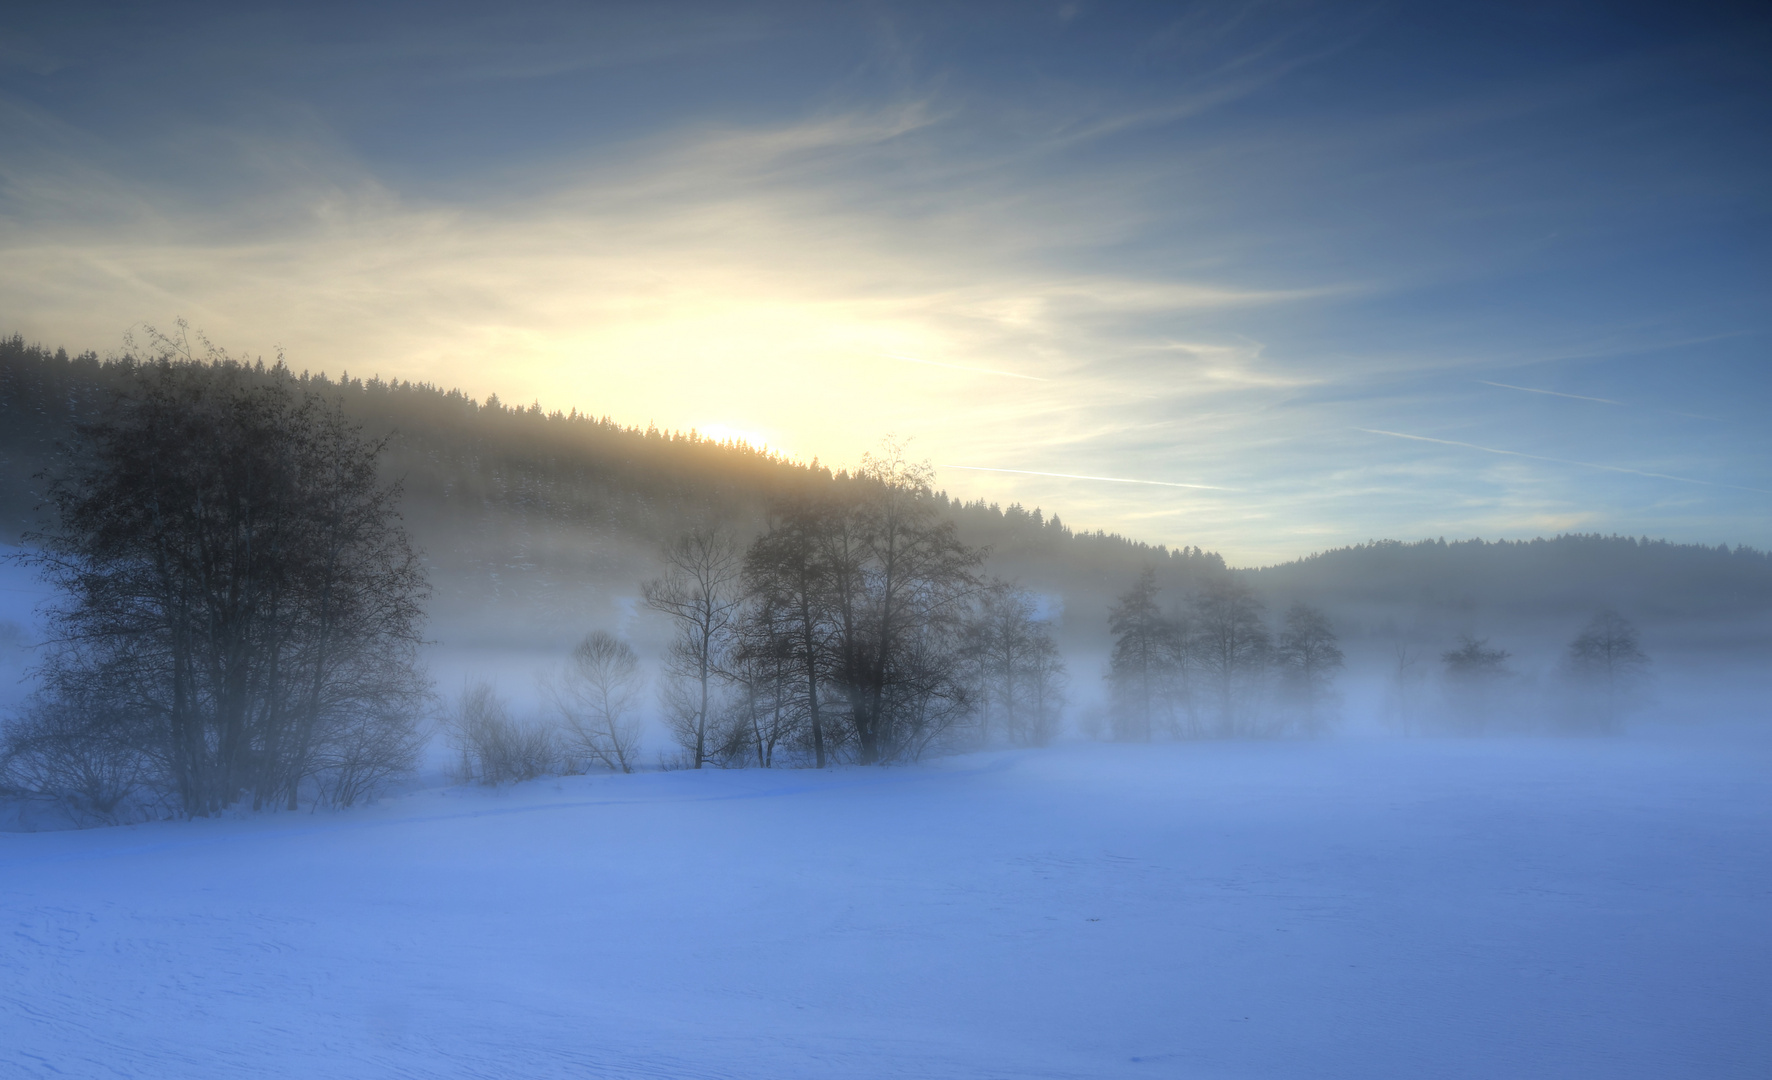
{"points": [[530, 519], [1560, 576]]}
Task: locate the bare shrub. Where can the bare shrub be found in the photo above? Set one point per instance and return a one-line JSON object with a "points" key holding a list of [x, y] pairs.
{"points": [[494, 745], [79, 759]]}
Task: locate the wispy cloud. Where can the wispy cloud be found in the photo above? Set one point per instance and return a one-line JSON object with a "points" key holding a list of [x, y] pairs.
{"points": [[1104, 479], [1549, 393], [1099, 270], [964, 367], [1563, 461]]}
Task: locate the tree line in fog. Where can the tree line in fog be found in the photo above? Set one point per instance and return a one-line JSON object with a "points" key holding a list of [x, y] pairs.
{"points": [[240, 610], [1209, 665], [856, 628]]}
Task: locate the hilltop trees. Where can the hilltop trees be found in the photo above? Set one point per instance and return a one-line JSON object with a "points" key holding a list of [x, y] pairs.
{"points": [[240, 607]]}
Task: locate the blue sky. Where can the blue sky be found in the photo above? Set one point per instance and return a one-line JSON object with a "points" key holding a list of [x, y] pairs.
{"points": [[1346, 271]]}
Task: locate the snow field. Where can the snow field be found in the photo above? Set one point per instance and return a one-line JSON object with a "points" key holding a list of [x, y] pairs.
{"points": [[1530, 908]]}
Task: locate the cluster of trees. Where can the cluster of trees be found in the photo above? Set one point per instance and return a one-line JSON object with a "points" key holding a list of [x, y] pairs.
{"points": [[855, 627], [592, 718], [1210, 667], [1603, 676], [239, 610]]}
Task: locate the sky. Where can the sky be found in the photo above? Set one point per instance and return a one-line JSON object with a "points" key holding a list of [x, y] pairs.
{"points": [[1267, 278]]}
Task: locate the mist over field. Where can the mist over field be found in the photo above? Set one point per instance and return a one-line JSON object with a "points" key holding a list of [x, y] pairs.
{"points": [[1056, 540]]}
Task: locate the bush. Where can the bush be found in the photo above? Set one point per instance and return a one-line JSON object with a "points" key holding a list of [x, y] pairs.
{"points": [[495, 746]]}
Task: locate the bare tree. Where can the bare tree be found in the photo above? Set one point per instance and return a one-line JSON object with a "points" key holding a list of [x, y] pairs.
{"points": [[597, 698], [898, 579], [1309, 657], [765, 708], [867, 589], [237, 592], [1232, 649], [1474, 674], [72, 751], [1046, 683], [787, 574], [699, 592], [1403, 696], [1180, 702], [1144, 651], [1606, 659], [1017, 673]]}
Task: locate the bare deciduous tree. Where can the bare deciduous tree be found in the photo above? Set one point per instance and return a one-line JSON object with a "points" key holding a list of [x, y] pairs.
{"points": [[1403, 694], [898, 577], [1309, 657], [598, 697], [786, 573], [699, 592], [1016, 670], [1139, 666], [1474, 674], [239, 602], [1609, 663], [1231, 646], [766, 705], [867, 589]]}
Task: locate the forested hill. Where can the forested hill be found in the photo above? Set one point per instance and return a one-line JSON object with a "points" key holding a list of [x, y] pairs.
{"points": [[1658, 578], [537, 523], [1432, 589], [534, 520]]}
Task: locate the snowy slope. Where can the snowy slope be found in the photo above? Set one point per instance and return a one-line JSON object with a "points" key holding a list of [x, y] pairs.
{"points": [[1350, 909]]}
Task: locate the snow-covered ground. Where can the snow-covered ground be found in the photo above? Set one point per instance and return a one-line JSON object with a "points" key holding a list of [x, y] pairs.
{"points": [[1349, 909]]}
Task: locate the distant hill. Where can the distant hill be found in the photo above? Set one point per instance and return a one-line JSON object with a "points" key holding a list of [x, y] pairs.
{"points": [[1689, 595]]}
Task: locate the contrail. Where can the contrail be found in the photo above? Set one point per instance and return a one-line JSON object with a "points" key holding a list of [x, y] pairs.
{"points": [[1564, 461], [1073, 476], [963, 367], [1552, 393]]}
